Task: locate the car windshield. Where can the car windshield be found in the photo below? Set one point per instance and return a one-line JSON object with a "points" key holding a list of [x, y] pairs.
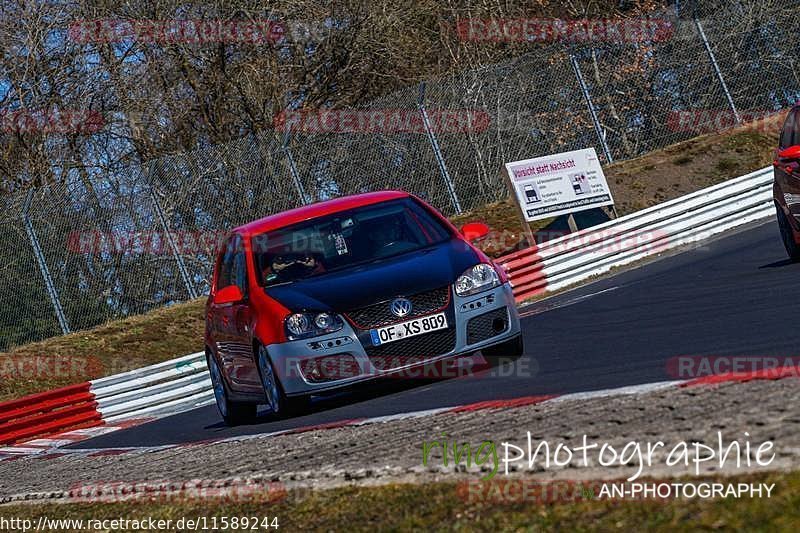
{"points": [[345, 239]]}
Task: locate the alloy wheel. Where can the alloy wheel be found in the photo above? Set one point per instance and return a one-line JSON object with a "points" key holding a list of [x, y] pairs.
{"points": [[269, 380], [219, 387]]}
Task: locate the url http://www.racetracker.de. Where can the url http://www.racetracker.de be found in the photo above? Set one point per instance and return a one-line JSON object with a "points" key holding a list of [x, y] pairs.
{"points": [[145, 523]]}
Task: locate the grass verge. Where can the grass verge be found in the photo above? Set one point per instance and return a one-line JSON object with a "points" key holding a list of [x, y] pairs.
{"points": [[442, 506], [111, 348]]}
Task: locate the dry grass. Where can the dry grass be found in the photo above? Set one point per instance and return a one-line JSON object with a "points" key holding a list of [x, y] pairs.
{"points": [[442, 507], [110, 348]]}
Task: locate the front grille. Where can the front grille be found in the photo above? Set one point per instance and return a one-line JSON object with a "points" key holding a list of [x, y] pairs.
{"points": [[487, 325], [412, 350], [378, 315]]}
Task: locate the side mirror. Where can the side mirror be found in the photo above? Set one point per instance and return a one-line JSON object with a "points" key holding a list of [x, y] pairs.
{"points": [[474, 230], [229, 295], [790, 154]]}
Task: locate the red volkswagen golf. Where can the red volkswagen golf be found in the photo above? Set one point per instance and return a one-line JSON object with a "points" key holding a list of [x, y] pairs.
{"points": [[342, 291]]}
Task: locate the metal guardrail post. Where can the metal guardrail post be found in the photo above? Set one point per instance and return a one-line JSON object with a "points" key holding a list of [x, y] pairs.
{"points": [[172, 246], [437, 152], [717, 71], [298, 183], [598, 129], [40, 261]]}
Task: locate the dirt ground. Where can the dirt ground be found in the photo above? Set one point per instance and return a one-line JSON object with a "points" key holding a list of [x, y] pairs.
{"points": [[392, 451]]}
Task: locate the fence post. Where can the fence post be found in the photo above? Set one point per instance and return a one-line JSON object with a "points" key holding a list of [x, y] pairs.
{"points": [[717, 71], [592, 111], [171, 242], [437, 152], [298, 183], [40, 261]]}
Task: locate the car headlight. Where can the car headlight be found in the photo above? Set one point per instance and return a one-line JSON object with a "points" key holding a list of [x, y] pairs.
{"points": [[476, 279], [304, 325]]}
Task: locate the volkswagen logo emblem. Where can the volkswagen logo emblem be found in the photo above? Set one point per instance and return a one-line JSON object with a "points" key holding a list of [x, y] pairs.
{"points": [[400, 307]]}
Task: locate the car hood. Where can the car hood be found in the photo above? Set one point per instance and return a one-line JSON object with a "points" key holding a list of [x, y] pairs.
{"points": [[405, 274]]}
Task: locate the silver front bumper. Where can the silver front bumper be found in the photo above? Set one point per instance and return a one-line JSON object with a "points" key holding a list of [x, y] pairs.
{"points": [[288, 356]]}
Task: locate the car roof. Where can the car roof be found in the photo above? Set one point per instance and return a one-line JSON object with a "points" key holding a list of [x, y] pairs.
{"points": [[319, 209]]}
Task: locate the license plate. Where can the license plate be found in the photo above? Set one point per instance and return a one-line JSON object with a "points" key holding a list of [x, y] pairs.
{"points": [[409, 328]]}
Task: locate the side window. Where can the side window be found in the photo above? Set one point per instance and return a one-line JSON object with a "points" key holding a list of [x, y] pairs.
{"points": [[790, 135], [225, 275], [239, 267], [795, 128]]}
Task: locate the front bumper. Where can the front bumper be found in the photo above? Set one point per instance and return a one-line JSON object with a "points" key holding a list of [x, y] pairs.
{"points": [[351, 345]]}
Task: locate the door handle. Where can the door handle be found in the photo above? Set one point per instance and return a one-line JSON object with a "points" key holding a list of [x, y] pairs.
{"points": [[242, 320]]}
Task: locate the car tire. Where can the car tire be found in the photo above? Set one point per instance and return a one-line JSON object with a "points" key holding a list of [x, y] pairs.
{"points": [[506, 350], [279, 403], [233, 413], [787, 236]]}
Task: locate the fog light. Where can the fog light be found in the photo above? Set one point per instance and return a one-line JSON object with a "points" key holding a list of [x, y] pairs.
{"points": [[330, 368]]}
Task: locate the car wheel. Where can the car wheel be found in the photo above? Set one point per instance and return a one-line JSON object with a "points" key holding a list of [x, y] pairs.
{"points": [[277, 401], [233, 413], [506, 350], [787, 236]]}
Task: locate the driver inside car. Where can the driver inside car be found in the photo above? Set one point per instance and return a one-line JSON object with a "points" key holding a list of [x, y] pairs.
{"points": [[290, 266]]}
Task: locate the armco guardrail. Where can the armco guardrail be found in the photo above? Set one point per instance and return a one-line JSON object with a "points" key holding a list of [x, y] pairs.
{"points": [[159, 389], [48, 413], [183, 383], [168, 387], [575, 257]]}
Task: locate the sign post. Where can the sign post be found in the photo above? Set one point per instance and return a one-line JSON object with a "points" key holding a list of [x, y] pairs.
{"points": [[560, 184], [530, 238]]}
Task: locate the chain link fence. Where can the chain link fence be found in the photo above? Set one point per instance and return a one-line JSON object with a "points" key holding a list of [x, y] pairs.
{"points": [[113, 244]]}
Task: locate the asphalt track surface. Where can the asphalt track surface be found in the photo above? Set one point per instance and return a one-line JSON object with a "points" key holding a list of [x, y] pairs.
{"points": [[737, 295]]}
